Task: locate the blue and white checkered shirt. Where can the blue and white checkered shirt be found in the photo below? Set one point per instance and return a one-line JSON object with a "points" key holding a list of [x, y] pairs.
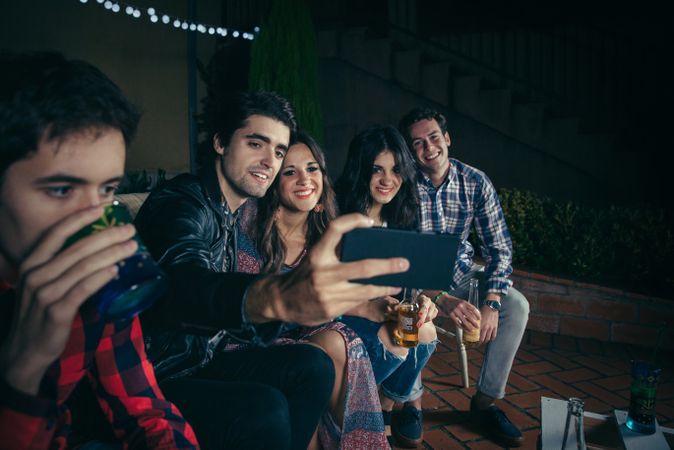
{"points": [[467, 197]]}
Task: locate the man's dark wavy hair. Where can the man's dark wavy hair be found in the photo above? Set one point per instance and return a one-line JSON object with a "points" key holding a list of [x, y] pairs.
{"points": [[45, 94], [417, 114], [224, 114], [353, 186]]}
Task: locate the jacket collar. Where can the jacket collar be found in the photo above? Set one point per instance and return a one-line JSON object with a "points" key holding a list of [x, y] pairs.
{"points": [[209, 178]]}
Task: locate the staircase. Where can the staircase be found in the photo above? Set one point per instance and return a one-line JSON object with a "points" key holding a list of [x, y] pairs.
{"points": [[451, 74]]}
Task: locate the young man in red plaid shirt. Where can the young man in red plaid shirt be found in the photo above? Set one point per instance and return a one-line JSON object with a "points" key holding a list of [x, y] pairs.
{"points": [[64, 128]]}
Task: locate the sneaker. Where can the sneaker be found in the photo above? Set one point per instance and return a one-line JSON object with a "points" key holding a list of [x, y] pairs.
{"points": [[497, 425], [407, 427]]}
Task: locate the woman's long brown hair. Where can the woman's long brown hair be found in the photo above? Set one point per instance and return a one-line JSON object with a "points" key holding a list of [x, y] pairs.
{"points": [[269, 242]]}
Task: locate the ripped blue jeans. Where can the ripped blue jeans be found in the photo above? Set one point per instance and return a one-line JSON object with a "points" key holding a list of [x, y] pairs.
{"points": [[397, 375]]}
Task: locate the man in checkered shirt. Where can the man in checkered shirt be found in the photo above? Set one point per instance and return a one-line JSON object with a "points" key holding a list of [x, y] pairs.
{"points": [[454, 197]]}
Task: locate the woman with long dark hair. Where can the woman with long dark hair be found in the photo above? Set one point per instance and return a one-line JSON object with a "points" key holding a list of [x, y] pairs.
{"points": [[291, 217], [363, 186], [297, 208], [379, 180]]}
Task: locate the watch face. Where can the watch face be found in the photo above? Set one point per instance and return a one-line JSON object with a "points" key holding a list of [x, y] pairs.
{"points": [[493, 304]]}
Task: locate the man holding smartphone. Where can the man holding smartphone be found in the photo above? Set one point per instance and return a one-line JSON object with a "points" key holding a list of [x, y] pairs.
{"points": [[454, 197], [189, 225]]}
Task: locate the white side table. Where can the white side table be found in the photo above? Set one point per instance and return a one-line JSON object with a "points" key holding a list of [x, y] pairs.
{"points": [[609, 431]]}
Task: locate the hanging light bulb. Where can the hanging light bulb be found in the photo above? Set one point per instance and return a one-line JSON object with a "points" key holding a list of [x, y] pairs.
{"points": [[177, 22]]}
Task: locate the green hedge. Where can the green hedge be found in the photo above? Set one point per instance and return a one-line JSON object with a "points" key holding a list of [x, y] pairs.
{"points": [[629, 248]]}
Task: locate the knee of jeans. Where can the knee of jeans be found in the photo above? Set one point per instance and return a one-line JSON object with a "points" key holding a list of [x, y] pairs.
{"points": [[387, 353], [518, 305]]}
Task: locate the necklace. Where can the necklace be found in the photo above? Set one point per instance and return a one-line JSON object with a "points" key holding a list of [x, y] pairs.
{"points": [[286, 235]]}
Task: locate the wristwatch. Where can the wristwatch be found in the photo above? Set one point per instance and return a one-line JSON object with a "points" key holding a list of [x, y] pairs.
{"points": [[493, 304]]}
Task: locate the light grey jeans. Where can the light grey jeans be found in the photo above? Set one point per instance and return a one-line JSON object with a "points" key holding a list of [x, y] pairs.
{"points": [[500, 353]]}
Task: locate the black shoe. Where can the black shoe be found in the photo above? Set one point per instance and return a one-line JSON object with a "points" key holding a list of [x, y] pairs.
{"points": [[494, 421], [407, 427], [387, 416], [387, 422]]}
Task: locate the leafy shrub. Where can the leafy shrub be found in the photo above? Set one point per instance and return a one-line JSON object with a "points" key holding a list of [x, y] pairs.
{"points": [[629, 248]]}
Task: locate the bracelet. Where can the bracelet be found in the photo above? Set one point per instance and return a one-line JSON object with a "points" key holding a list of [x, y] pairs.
{"points": [[435, 299]]}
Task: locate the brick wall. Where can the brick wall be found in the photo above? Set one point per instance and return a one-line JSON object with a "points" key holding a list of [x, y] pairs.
{"points": [[570, 308]]}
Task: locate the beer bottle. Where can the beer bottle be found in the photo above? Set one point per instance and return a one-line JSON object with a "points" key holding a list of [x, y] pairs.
{"points": [[472, 338], [407, 333]]}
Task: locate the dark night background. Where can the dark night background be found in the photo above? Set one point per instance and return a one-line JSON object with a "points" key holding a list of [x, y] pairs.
{"points": [[571, 100]]}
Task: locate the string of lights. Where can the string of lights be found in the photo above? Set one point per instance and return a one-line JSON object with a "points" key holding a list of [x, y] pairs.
{"points": [[179, 23]]}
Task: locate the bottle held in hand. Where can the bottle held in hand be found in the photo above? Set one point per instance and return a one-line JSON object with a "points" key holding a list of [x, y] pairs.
{"points": [[472, 338], [140, 281], [407, 332]]}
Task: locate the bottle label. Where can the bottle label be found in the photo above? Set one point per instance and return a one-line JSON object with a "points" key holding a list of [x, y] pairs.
{"points": [[407, 324]]}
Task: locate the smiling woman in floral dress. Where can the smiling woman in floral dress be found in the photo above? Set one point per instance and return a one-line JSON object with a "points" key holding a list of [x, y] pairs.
{"points": [[289, 220]]}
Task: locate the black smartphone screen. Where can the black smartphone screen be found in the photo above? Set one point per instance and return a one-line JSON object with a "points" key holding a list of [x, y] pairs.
{"points": [[431, 255]]}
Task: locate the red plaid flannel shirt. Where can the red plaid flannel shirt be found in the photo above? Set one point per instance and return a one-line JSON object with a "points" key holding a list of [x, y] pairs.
{"points": [[112, 357]]}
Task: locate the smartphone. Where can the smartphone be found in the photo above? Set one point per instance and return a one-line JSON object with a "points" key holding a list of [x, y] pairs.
{"points": [[432, 256]]}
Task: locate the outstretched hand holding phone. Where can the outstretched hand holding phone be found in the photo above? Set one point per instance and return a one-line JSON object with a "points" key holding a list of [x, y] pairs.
{"points": [[320, 288]]}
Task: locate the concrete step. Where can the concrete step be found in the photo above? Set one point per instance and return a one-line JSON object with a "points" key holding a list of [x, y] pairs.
{"points": [[561, 132], [596, 152], [435, 81], [527, 121], [350, 42], [372, 55], [466, 94], [407, 68], [455, 84], [327, 43], [593, 152], [495, 108]]}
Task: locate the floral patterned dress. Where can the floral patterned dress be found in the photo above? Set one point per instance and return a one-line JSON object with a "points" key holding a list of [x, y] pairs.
{"points": [[363, 426]]}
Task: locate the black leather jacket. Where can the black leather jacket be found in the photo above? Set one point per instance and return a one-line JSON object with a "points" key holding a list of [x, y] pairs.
{"points": [[190, 232]]}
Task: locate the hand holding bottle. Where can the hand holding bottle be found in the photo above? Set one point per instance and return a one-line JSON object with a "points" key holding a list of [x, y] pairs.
{"points": [[462, 313]]}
